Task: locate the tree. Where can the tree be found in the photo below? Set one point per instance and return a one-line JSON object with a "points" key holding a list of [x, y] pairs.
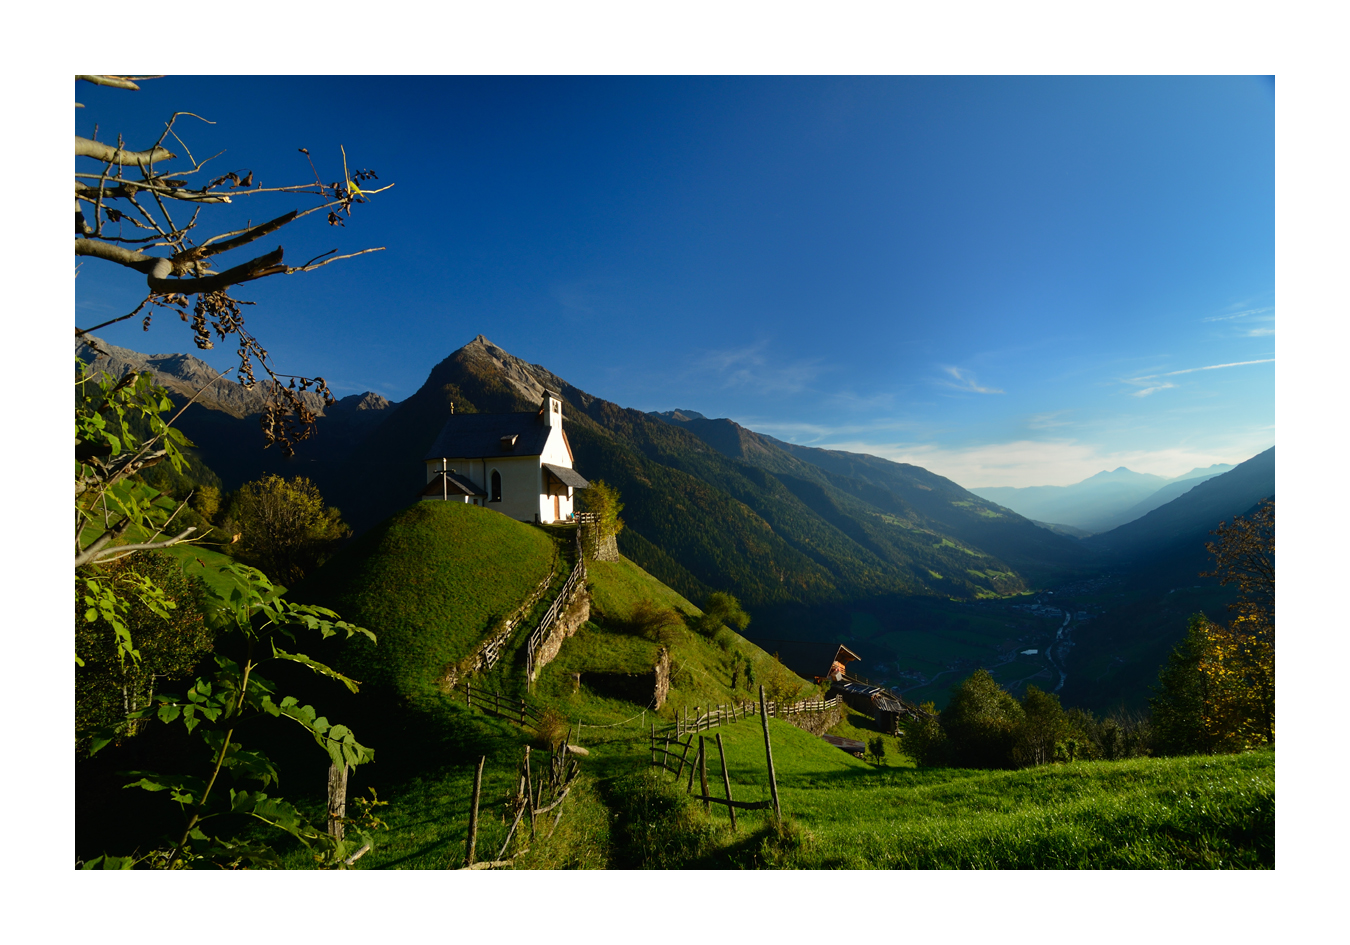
{"points": [[876, 747], [1037, 740], [1217, 691], [120, 434], [283, 526], [1244, 554], [925, 740], [601, 500], [123, 201], [981, 723]]}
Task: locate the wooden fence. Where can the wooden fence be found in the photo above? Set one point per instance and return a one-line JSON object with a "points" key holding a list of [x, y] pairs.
{"points": [[555, 610], [663, 756], [535, 799], [734, 712], [508, 707]]}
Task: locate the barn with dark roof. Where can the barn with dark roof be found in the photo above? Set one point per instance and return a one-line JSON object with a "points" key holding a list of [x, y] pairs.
{"points": [[519, 464]]}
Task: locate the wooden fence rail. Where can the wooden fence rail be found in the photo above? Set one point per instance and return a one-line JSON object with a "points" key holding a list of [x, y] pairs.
{"points": [[508, 707], [555, 610], [734, 712], [663, 755]]}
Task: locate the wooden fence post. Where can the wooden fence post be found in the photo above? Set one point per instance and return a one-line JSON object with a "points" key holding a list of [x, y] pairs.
{"points": [[337, 800], [529, 790], [703, 774], [693, 767], [726, 779], [768, 752], [473, 810], [683, 755]]}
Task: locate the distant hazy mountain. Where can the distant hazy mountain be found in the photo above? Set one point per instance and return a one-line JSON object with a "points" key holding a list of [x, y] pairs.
{"points": [[1187, 520], [1179, 486], [223, 420], [1098, 503]]}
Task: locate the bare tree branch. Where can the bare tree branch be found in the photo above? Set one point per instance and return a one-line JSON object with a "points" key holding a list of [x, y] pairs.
{"points": [[113, 321], [97, 149], [253, 269], [128, 188], [248, 236], [115, 81], [120, 255], [311, 265], [90, 556]]}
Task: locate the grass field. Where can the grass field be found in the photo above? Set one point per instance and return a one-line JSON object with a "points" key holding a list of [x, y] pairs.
{"points": [[840, 812]]}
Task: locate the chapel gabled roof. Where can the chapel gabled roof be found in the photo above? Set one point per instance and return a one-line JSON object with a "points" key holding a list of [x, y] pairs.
{"points": [[485, 436]]}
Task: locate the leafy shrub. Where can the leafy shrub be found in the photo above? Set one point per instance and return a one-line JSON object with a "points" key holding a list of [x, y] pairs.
{"points": [[552, 728], [1122, 735], [721, 610], [982, 722], [782, 684], [285, 530], [1044, 732], [107, 688], [659, 624], [925, 741]]}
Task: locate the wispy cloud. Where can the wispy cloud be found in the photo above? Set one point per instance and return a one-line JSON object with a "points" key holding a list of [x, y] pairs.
{"points": [[1247, 313], [1207, 367], [1145, 380], [749, 367], [965, 381], [1047, 421], [1260, 332]]}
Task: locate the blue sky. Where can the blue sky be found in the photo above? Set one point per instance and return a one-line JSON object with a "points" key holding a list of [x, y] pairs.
{"points": [[1008, 281]]}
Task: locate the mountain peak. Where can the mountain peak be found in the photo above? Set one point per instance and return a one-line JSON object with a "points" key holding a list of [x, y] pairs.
{"points": [[528, 381]]}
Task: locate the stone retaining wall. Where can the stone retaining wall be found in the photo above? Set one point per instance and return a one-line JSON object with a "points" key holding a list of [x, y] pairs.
{"points": [[577, 612]]}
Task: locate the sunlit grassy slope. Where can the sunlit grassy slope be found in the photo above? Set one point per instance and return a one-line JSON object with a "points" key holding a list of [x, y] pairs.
{"points": [[1155, 813], [429, 581]]}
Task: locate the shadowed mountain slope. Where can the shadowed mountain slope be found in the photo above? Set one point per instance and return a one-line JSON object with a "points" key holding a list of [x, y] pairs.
{"points": [[876, 488]]}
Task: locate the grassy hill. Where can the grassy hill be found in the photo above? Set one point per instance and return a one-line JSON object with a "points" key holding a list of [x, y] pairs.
{"points": [[430, 582]]}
